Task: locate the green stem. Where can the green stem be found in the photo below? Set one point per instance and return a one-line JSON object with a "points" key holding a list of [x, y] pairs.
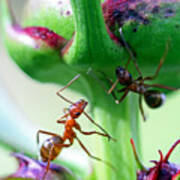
{"points": [[122, 123], [92, 40]]}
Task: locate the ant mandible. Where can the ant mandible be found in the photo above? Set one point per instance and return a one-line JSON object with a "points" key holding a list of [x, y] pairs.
{"points": [[52, 147], [153, 98]]}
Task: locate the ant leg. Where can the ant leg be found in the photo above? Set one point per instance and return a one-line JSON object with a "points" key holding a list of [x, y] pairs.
{"points": [[123, 96], [130, 52], [48, 163], [68, 145], [64, 116], [111, 83], [139, 78], [92, 132], [142, 167], [65, 110], [141, 107], [44, 132], [61, 121], [122, 90], [160, 64], [94, 157], [126, 44], [113, 86], [91, 73], [163, 87], [69, 83], [102, 129]]}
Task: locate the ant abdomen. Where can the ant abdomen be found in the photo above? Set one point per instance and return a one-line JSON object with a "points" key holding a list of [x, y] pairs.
{"points": [[124, 77], [51, 148], [154, 98]]}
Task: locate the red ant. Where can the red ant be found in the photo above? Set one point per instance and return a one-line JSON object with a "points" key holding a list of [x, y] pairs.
{"points": [[163, 169], [153, 98], [51, 147]]}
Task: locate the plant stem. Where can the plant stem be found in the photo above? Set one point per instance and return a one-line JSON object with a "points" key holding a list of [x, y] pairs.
{"points": [[122, 123], [92, 41], [119, 120]]}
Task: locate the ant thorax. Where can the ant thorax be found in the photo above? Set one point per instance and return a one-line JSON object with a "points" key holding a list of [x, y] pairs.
{"points": [[124, 77], [138, 87], [70, 121]]}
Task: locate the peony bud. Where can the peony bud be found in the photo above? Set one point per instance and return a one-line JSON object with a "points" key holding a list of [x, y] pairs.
{"points": [[162, 169]]}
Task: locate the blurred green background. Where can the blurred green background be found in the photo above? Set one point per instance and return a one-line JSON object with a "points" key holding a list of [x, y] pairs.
{"points": [[39, 103]]}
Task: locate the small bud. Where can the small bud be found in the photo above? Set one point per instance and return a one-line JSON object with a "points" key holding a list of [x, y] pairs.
{"points": [[162, 169], [36, 37], [33, 48], [33, 169]]}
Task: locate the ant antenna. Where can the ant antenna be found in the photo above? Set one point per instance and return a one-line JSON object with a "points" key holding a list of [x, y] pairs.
{"points": [[93, 74], [128, 63], [94, 157], [69, 83], [14, 21], [137, 157], [129, 51], [171, 150]]}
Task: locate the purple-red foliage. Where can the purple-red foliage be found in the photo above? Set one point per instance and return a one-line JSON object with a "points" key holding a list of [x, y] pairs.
{"points": [[34, 169], [162, 169]]}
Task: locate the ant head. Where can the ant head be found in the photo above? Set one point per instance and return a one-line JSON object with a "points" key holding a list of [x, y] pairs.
{"points": [[123, 76], [81, 104], [154, 98], [77, 108]]}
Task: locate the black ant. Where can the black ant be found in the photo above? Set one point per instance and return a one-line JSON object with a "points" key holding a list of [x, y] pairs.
{"points": [[52, 147], [153, 98]]}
